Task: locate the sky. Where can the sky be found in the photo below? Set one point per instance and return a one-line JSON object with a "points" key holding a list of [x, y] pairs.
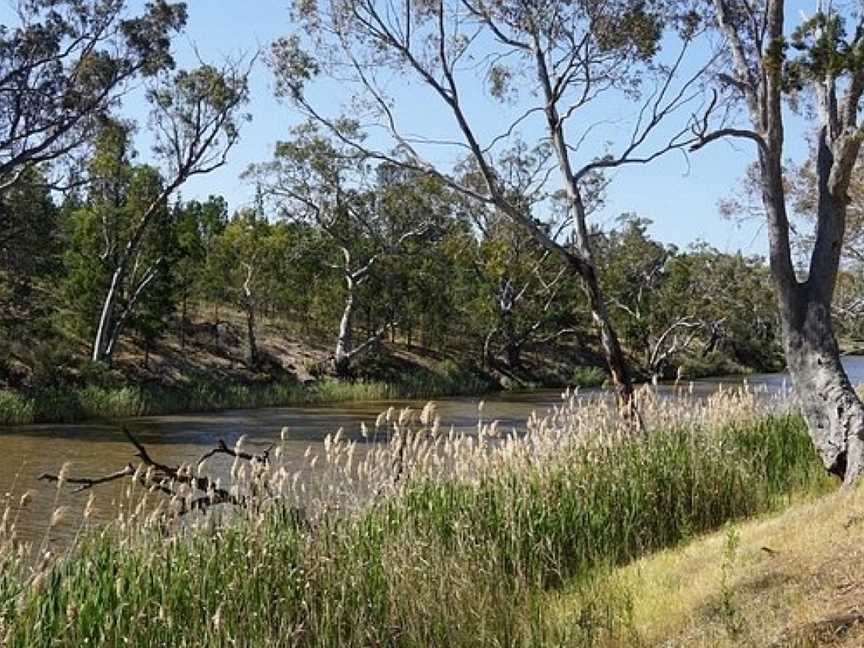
{"points": [[678, 193]]}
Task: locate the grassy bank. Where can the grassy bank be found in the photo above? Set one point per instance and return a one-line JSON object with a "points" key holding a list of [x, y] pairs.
{"points": [[71, 404], [790, 579], [461, 544]]}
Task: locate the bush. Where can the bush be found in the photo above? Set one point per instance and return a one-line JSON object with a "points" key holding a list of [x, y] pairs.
{"points": [[15, 409], [587, 377]]}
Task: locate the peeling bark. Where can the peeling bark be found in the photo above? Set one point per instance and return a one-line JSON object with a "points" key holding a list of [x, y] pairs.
{"points": [[832, 409]]}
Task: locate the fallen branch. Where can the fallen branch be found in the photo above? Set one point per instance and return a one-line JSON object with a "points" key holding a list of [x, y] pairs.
{"points": [[222, 448], [154, 475], [85, 483]]}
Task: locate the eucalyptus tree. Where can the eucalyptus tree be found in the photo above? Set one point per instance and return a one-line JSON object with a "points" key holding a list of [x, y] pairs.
{"points": [[198, 225], [250, 259], [801, 183], [730, 294], [519, 284], [96, 228], [364, 212], [820, 63], [65, 65], [541, 65], [657, 316], [195, 122]]}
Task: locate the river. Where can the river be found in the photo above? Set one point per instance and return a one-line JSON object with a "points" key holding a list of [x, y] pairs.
{"points": [[98, 448]]}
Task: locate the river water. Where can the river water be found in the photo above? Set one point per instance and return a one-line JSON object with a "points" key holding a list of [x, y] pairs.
{"points": [[99, 448]]}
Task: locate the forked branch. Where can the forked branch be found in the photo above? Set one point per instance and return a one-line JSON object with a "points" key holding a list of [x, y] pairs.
{"points": [[154, 475]]}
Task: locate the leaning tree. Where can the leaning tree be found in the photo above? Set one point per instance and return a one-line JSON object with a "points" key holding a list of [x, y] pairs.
{"points": [[820, 67], [537, 67], [195, 121]]}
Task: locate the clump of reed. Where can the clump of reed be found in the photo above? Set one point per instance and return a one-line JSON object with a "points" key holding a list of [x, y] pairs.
{"points": [[412, 534], [15, 408]]}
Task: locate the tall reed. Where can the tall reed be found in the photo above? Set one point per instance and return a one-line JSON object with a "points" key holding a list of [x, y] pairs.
{"points": [[416, 535]]}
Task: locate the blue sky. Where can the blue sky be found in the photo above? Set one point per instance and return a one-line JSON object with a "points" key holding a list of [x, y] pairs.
{"points": [[679, 195]]}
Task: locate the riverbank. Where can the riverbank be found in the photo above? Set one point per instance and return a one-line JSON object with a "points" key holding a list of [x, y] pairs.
{"points": [[404, 380], [206, 373], [77, 404], [462, 547], [793, 578]]}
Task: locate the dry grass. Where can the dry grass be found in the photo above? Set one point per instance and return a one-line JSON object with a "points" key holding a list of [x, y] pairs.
{"points": [[795, 579]]}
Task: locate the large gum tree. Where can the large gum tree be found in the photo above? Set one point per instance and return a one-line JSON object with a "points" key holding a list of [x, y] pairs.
{"points": [[507, 75], [195, 119], [821, 66]]}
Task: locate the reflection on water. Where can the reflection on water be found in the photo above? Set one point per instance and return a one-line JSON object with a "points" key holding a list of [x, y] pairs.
{"points": [[99, 448]]}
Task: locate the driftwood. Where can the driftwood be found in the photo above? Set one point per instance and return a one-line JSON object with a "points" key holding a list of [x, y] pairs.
{"points": [[157, 476]]}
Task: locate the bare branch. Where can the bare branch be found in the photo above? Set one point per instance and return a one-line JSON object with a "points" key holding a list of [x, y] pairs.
{"points": [[155, 475], [85, 483]]}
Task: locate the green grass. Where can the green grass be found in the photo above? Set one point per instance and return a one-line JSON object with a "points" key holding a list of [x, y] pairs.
{"points": [[67, 405], [15, 408], [444, 562], [587, 377]]}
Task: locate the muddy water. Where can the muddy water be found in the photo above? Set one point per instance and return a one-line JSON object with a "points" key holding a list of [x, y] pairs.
{"points": [[94, 449]]}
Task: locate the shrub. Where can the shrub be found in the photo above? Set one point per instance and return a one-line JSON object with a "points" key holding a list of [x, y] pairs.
{"points": [[15, 409], [587, 377]]}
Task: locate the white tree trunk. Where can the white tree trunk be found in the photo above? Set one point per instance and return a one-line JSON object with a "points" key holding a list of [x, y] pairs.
{"points": [[834, 413], [103, 344], [249, 305], [345, 341]]}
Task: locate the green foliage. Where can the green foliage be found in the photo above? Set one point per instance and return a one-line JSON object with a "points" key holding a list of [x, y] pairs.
{"points": [[823, 51], [694, 309], [424, 265], [443, 564], [16, 409], [30, 245], [97, 233], [68, 63], [587, 377], [198, 227], [254, 249]]}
